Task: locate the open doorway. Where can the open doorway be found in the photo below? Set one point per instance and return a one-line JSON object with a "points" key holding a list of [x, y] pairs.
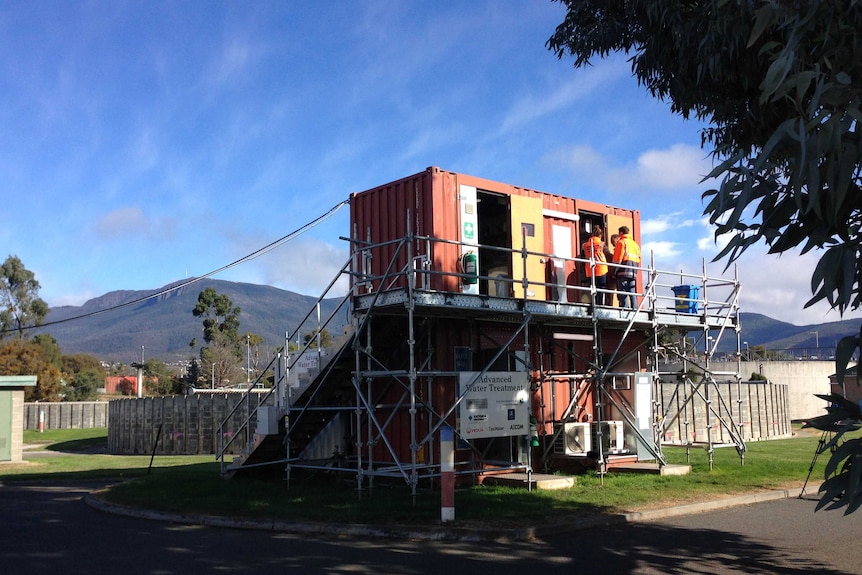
{"points": [[495, 231]]}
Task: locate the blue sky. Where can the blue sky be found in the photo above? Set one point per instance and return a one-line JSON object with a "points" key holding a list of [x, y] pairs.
{"points": [[146, 142]]}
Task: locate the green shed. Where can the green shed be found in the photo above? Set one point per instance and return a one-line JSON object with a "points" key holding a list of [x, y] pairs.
{"points": [[12, 415]]}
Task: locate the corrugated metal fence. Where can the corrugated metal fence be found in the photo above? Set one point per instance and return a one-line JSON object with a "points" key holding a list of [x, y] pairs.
{"points": [[67, 415], [764, 407], [188, 423]]}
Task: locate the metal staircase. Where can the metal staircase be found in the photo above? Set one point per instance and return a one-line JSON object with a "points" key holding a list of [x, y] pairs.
{"points": [[286, 411]]}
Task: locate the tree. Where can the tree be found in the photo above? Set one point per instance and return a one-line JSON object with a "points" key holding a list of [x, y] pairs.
{"points": [[50, 349], [325, 338], [78, 362], [219, 313], [83, 373], [192, 375], [253, 343], [28, 358], [21, 307], [779, 85], [222, 362], [85, 384], [158, 379], [224, 353]]}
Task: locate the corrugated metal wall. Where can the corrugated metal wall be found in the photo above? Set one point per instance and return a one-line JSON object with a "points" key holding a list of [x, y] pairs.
{"points": [[431, 200]]}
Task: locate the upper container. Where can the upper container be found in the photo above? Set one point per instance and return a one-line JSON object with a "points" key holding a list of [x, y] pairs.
{"points": [[476, 236]]}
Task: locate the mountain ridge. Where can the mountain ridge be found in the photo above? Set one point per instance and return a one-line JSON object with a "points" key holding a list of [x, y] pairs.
{"points": [[116, 324], [164, 325]]}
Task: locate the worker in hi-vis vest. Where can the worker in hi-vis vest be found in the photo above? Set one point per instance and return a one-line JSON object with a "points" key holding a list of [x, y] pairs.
{"points": [[596, 267], [627, 253]]}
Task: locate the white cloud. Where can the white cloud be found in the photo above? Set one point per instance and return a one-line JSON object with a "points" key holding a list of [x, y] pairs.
{"points": [[675, 168], [306, 266], [662, 223], [662, 249], [679, 166]]}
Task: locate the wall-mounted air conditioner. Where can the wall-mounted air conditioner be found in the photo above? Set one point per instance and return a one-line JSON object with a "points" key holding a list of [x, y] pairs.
{"points": [[574, 439], [580, 438]]}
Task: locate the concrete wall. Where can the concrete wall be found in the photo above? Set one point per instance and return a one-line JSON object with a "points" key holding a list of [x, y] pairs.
{"points": [[66, 414], [803, 378]]}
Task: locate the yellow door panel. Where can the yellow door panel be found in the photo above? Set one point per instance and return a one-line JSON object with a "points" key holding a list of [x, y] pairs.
{"points": [[528, 231]]}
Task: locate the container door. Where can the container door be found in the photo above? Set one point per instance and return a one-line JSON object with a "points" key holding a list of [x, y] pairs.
{"points": [[562, 244], [528, 231]]}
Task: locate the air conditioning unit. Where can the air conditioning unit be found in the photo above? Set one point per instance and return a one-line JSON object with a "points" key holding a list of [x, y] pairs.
{"points": [[574, 439], [581, 438]]}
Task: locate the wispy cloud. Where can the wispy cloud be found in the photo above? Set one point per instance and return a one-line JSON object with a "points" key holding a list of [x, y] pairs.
{"points": [[130, 221], [305, 265]]}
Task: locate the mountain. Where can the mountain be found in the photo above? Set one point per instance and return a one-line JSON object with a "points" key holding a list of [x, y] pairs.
{"points": [[164, 325], [775, 334]]}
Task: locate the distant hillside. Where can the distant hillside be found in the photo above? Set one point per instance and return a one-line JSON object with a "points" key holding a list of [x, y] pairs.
{"points": [[758, 329], [165, 325]]}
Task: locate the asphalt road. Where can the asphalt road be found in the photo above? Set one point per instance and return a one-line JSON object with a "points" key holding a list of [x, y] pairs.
{"points": [[50, 529]]}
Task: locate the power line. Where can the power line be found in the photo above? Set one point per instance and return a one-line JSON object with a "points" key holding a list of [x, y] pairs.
{"points": [[255, 254]]}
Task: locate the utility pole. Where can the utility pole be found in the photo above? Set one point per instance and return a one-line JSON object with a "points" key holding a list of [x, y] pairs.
{"points": [[816, 342], [140, 373]]}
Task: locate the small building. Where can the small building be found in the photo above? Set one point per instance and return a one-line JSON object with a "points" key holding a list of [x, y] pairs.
{"points": [[850, 389], [12, 416]]}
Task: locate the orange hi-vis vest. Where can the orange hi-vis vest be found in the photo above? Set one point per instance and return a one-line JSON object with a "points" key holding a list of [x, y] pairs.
{"points": [[595, 248], [627, 253]]}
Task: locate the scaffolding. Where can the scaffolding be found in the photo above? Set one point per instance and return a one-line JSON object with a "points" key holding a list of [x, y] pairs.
{"points": [[376, 407]]}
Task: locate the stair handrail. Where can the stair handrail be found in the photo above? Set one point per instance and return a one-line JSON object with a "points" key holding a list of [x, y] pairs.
{"points": [[246, 398]]}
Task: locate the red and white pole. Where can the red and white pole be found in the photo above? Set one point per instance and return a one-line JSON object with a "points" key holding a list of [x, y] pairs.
{"points": [[41, 421], [447, 474]]}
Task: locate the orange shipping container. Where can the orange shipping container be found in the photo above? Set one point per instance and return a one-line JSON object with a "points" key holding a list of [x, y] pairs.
{"points": [[511, 233]]}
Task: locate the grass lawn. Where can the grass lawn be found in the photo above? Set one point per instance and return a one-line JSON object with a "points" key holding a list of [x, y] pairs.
{"points": [[192, 484]]}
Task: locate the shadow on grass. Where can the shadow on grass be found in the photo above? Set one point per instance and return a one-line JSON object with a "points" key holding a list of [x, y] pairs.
{"points": [[328, 498], [93, 444]]}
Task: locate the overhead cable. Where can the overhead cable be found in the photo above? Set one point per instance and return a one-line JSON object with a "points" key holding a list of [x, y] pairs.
{"points": [[255, 254]]}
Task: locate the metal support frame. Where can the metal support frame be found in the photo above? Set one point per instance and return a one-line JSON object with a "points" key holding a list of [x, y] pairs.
{"points": [[403, 295]]}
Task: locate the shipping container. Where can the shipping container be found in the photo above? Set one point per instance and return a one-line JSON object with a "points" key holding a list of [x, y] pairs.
{"points": [[444, 223]]}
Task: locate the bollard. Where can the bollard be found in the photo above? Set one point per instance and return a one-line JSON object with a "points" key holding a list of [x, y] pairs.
{"points": [[447, 474], [41, 421]]}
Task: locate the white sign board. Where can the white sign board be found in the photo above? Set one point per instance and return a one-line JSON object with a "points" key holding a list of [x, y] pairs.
{"points": [[497, 404], [303, 367]]}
